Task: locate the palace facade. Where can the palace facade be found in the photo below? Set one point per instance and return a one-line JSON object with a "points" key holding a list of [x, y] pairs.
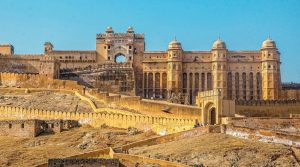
{"points": [[121, 64]]}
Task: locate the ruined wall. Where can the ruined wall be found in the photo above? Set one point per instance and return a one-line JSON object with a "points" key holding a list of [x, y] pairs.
{"points": [[288, 125], [20, 128], [36, 81], [275, 130], [264, 135], [276, 108], [94, 162], [157, 124]]}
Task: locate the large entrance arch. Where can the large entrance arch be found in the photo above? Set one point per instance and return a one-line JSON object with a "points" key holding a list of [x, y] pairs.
{"points": [[120, 58]]}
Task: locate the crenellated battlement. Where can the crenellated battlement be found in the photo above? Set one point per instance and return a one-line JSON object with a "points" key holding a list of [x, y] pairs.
{"points": [[268, 102]]}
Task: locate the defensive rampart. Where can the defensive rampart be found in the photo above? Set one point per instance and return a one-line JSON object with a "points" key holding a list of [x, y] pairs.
{"points": [[157, 124], [153, 107], [267, 108]]}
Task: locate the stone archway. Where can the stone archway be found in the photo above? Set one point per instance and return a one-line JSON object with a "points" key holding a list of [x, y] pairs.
{"points": [[210, 114], [120, 58]]}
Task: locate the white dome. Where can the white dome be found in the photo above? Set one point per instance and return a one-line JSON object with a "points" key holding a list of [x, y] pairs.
{"points": [[109, 30], [174, 44], [219, 44], [130, 30], [268, 43]]}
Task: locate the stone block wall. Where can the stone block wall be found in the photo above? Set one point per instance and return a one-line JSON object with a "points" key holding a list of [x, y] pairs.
{"points": [[267, 108], [153, 107], [92, 162], [20, 128], [157, 124]]}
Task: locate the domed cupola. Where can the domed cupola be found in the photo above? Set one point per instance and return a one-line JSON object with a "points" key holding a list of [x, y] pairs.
{"points": [[174, 45], [130, 30], [109, 30], [268, 44], [219, 44]]}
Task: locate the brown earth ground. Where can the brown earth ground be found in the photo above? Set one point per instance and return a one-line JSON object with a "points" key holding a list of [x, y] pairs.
{"points": [[45, 100], [216, 150], [32, 151]]}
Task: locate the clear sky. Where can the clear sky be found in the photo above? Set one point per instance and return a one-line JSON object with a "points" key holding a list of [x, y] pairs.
{"points": [[73, 24]]}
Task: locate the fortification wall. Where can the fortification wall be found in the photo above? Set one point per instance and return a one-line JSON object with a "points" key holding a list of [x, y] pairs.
{"points": [[279, 108], [84, 162], [157, 124], [20, 64], [150, 107], [290, 94]]}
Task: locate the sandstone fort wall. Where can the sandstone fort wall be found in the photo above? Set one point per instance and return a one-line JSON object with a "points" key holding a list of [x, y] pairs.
{"points": [[158, 108], [157, 124]]}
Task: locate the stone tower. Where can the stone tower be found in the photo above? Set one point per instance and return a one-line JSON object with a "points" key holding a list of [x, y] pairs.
{"points": [[175, 56], [270, 70], [128, 46], [110, 46], [49, 67], [219, 66]]}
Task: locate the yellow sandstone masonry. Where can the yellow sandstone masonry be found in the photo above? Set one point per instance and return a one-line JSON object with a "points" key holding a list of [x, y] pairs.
{"points": [[157, 124]]}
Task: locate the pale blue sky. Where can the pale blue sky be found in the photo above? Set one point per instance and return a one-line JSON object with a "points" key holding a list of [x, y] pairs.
{"points": [[73, 24]]}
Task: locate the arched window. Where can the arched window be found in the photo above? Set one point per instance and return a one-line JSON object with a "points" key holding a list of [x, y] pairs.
{"points": [[237, 85], [251, 85], [184, 82], [209, 81], [244, 85], [196, 82], [150, 85], [258, 85], [229, 85]]}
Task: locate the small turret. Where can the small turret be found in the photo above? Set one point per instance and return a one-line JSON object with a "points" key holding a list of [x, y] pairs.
{"points": [[219, 44], [109, 30], [174, 51], [130, 30], [48, 47]]}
